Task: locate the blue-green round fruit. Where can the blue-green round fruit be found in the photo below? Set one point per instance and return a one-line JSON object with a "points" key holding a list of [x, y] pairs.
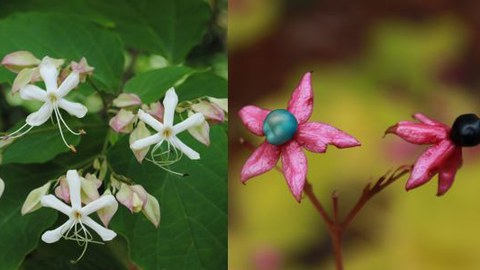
{"points": [[280, 126]]}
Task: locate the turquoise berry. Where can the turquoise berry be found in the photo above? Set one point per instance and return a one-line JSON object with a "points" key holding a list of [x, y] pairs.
{"points": [[280, 126]]}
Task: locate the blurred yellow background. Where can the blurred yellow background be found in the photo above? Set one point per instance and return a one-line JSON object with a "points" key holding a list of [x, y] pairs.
{"points": [[374, 64]]}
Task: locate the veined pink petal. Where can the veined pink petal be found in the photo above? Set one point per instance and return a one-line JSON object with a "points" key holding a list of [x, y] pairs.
{"points": [[253, 117], [315, 137], [419, 133], [263, 159], [294, 165], [424, 119], [301, 102], [428, 164], [446, 173]]}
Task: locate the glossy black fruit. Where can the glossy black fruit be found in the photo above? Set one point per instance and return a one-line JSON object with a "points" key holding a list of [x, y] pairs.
{"points": [[466, 130]]}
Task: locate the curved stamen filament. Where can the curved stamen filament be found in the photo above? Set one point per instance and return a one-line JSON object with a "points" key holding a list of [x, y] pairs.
{"points": [[13, 136], [79, 233], [61, 130], [165, 158], [65, 124]]}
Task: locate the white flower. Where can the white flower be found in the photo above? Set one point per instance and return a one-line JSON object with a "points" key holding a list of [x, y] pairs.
{"points": [[167, 132], [53, 99], [74, 228]]}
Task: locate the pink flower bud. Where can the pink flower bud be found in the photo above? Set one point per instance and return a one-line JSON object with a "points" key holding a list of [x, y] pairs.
{"points": [[82, 68], [122, 122], [32, 202], [62, 191], [17, 61], [211, 111], [140, 132], [220, 102], [105, 214], [126, 100], [134, 197], [152, 210], [154, 109]]}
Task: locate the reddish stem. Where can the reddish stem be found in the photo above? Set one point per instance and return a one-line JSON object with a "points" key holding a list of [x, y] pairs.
{"points": [[336, 227]]}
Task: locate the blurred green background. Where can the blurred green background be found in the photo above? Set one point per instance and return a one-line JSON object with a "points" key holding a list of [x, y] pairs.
{"points": [[375, 63]]}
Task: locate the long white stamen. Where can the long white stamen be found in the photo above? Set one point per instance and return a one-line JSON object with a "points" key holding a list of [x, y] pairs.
{"points": [[11, 135], [55, 109], [65, 124], [163, 160]]}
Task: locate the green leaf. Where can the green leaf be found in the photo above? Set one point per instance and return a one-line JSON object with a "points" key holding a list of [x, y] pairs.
{"points": [[193, 228], [67, 37], [20, 234], [44, 143], [170, 28], [203, 84], [152, 85]]}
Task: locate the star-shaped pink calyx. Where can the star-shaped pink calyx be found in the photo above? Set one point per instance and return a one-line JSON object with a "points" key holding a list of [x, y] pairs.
{"points": [[286, 132], [444, 157]]}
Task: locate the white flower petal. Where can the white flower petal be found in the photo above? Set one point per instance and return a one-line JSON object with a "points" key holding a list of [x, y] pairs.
{"points": [[41, 116], [191, 121], [169, 103], [150, 120], [104, 233], [49, 73], [145, 142], [2, 187], [76, 109], [53, 202], [189, 152], [98, 204], [68, 84], [33, 92], [53, 236], [73, 180]]}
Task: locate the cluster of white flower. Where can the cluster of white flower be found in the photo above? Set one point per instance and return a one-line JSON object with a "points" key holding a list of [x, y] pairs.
{"points": [[77, 194], [31, 70], [167, 147]]}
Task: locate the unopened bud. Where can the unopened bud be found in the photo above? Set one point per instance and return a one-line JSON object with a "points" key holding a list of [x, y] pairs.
{"points": [[32, 202], [152, 210]]}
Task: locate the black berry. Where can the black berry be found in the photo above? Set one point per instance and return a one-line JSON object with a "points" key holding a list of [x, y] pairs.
{"points": [[466, 130]]}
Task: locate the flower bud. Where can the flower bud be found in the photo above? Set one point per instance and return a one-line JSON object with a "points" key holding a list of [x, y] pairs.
{"points": [[140, 132], [126, 100], [17, 61], [2, 187], [82, 68], [152, 210], [221, 102], [105, 214], [24, 77], [200, 132], [209, 110], [62, 191], [122, 122], [134, 197], [32, 202], [89, 188], [154, 109]]}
